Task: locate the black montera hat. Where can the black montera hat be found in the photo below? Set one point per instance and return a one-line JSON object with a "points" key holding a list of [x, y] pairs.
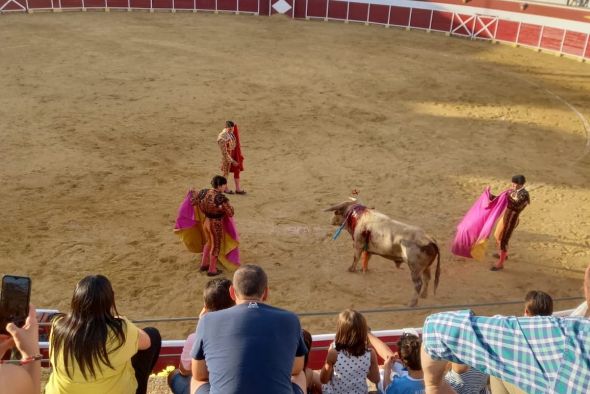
{"points": [[519, 179]]}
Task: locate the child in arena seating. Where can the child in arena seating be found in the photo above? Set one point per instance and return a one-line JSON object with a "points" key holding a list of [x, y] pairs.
{"points": [[93, 350], [411, 382], [25, 376], [215, 298], [349, 361], [538, 303], [314, 386]]}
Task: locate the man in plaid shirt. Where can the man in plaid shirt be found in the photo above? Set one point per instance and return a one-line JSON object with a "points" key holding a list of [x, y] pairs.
{"points": [[541, 354]]}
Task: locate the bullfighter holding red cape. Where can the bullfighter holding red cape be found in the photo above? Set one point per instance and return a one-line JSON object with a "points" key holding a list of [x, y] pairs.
{"points": [[231, 154]]}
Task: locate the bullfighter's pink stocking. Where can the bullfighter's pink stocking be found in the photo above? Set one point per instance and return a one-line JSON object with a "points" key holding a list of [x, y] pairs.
{"points": [[500, 264], [205, 257], [213, 265]]}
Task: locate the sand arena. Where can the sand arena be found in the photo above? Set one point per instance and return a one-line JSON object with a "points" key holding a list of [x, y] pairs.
{"points": [[107, 119]]}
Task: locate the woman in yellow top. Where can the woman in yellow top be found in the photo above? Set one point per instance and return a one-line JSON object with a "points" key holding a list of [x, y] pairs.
{"points": [[94, 351]]}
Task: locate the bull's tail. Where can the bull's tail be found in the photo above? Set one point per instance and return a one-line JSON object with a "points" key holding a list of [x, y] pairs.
{"points": [[437, 272]]}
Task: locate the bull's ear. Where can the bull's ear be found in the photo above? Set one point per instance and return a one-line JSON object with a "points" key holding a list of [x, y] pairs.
{"points": [[338, 206]]}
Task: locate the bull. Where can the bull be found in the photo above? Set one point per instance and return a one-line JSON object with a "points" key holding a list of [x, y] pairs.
{"points": [[374, 233]]}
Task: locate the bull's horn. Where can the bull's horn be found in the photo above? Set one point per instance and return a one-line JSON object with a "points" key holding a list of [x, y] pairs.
{"points": [[337, 206], [353, 199]]}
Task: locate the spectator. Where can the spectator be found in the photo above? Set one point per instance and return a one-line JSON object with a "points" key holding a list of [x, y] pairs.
{"points": [[546, 354], [411, 382], [216, 297], [312, 378], [538, 303], [94, 350], [466, 380], [24, 378], [349, 362], [251, 347], [582, 309]]}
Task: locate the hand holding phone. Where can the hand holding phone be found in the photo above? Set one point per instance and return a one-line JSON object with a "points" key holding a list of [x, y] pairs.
{"points": [[14, 301]]}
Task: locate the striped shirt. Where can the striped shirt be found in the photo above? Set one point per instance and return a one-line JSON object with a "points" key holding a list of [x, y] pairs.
{"points": [[470, 382], [541, 354]]}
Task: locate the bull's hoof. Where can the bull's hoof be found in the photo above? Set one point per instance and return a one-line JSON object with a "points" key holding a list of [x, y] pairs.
{"points": [[351, 269], [425, 295], [413, 303]]}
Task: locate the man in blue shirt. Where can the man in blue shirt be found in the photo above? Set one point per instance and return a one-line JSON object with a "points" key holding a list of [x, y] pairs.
{"points": [[251, 347]]}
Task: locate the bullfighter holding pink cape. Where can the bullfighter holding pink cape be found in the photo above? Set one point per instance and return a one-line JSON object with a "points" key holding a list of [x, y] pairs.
{"points": [[476, 226], [205, 224]]}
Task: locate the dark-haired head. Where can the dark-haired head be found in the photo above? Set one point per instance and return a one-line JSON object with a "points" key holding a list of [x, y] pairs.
{"points": [[216, 295], [409, 351], [307, 339], [83, 333], [250, 282], [229, 124], [519, 179], [538, 303], [351, 333], [218, 181]]}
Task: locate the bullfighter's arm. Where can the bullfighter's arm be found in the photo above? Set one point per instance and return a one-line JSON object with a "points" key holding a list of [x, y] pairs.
{"points": [[227, 209]]}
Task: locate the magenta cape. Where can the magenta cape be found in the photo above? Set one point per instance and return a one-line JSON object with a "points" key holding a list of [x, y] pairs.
{"points": [[475, 228], [189, 227]]}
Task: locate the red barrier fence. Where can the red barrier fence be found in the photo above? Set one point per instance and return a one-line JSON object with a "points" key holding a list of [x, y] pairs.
{"points": [[563, 30]]}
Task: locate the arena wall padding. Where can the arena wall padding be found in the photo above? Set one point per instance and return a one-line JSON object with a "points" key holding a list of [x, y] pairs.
{"points": [[316, 9], [485, 27], [551, 38], [358, 12], [441, 20], [117, 3], [208, 5], [573, 43], [95, 3], [420, 19], [71, 3], [399, 16], [248, 6], [379, 14], [337, 9], [529, 35], [462, 26], [547, 27], [184, 4], [507, 31], [227, 5]]}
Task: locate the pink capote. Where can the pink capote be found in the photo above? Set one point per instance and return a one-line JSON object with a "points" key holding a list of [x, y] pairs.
{"points": [[476, 226], [189, 226]]}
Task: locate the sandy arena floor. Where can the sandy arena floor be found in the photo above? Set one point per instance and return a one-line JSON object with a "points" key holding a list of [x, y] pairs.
{"points": [[107, 119]]}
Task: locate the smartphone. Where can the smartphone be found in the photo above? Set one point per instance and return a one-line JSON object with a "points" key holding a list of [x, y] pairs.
{"points": [[14, 301]]}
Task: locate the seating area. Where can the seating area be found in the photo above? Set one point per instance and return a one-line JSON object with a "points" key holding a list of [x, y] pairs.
{"points": [[324, 370]]}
